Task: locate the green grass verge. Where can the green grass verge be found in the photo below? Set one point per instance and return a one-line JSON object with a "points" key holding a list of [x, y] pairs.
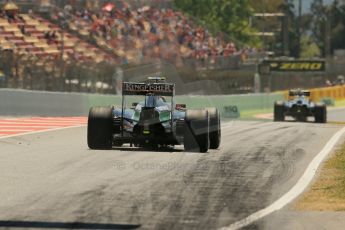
{"points": [[340, 103], [250, 114]]}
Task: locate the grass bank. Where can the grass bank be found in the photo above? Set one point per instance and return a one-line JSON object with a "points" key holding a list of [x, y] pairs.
{"points": [[327, 193]]}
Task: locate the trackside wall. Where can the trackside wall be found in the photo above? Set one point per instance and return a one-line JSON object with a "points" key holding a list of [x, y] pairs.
{"points": [[39, 103], [317, 94]]}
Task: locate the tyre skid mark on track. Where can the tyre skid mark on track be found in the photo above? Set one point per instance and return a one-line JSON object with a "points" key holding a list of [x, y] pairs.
{"points": [[204, 186]]}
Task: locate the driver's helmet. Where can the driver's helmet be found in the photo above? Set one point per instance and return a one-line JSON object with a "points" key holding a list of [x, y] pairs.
{"points": [[154, 101]]}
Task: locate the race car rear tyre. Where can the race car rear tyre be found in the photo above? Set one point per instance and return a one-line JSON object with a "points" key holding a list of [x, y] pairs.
{"points": [[320, 113], [100, 127], [279, 111], [196, 135], [215, 128]]}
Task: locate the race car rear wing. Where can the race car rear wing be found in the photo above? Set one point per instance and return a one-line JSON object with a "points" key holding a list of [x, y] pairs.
{"points": [[293, 93], [159, 89], [162, 89]]}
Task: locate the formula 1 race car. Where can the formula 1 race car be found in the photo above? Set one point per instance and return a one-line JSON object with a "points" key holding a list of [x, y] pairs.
{"points": [[300, 107], [155, 121]]}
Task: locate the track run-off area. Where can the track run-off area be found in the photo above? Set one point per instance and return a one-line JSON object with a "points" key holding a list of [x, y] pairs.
{"points": [[50, 179], [24, 125]]}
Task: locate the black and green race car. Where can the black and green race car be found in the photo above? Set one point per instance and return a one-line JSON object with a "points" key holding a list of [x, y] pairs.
{"points": [[154, 121]]}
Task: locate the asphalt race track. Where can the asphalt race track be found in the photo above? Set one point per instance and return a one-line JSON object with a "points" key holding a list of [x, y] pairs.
{"points": [[52, 180], [336, 115]]}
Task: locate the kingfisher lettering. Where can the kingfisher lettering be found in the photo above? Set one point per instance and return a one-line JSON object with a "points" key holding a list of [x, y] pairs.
{"points": [[138, 88]]}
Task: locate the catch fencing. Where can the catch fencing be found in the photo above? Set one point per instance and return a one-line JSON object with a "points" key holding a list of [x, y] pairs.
{"points": [[51, 73], [217, 76]]}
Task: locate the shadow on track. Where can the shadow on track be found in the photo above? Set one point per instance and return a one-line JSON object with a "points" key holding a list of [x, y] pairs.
{"points": [[63, 225], [147, 149]]}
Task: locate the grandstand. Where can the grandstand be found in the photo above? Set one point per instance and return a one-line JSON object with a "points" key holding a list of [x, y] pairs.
{"points": [[48, 47], [146, 33], [134, 35], [66, 45], [30, 34]]}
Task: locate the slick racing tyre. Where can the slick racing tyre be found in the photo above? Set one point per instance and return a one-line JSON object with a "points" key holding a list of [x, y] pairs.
{"points": [[215, 128], [196, 136], [279, 111], [320, 113], [99, 128]]}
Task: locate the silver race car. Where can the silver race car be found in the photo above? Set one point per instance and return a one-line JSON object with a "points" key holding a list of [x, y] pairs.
{"points": [[300, 107]]}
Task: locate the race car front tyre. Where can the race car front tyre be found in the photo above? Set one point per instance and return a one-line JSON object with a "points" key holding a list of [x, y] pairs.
{"points": [[215, 128], [279, 111], [320, 113], [196, 135], [100, 127]]}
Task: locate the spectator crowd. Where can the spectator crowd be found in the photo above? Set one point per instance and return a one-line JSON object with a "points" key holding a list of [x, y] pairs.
{"points": [[148, 33]]}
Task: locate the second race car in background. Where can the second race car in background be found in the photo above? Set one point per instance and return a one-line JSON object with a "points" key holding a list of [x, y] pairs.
{"points": [[300, 107]]}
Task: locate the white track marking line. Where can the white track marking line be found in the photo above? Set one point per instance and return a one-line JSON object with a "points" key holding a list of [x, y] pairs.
{"points": [[62, 118], [296, 190], [15, 130], [53, 120], [39, 121], [30, 117], [57, 119], [31, 126], [41, 131]]}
